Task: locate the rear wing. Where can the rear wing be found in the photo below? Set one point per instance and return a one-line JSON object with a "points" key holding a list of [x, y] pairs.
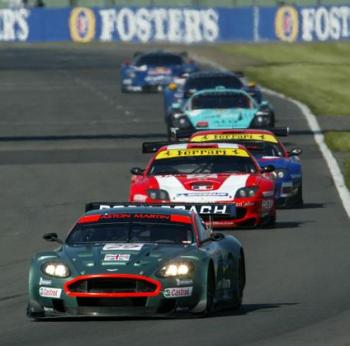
{"points": [[280, 131], [205, 209], [152, 147]]}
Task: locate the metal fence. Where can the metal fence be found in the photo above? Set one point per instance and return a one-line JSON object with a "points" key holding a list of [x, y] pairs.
{"points": [[174, 3]]}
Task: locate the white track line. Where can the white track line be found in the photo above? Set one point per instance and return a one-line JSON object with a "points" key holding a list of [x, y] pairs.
{"points": [[315, 128]]}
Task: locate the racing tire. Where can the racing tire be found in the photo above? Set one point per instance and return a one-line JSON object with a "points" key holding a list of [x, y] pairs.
{"points": [[210, 293], [124, 90], [238, 296], [270, 222], [299, 203]]}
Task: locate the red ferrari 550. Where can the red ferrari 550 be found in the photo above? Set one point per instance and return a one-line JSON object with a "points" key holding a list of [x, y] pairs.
{"points": [[221, 182]]}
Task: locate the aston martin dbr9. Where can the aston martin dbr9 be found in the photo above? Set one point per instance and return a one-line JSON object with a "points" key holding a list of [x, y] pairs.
{"points": [[136, 261]]}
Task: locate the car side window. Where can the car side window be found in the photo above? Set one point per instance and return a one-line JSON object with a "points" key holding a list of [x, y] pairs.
{"points": [[204, 232]]}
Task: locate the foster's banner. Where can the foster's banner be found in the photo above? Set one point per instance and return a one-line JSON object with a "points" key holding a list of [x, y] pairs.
{"points": [[176, 25]]}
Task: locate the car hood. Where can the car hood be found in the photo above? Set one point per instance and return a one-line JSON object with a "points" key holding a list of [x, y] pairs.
{"points": [[145, 258], [222, 118], [202, 188]]}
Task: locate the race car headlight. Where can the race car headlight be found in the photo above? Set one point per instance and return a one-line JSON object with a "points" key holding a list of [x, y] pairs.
{"points": [[182, 122], [246, 192], [173, 269], [56, 269], [261, 119], [280, 173], [158, 194]]}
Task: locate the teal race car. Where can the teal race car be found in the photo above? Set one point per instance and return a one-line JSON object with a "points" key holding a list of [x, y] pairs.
{"points": [[218, 109], [121, 260]]}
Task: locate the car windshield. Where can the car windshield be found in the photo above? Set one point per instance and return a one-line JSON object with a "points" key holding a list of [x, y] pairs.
{"points": [[203, 165], [131, 232], [221, 101], [201, 83], [260, 149], [159, 60]]}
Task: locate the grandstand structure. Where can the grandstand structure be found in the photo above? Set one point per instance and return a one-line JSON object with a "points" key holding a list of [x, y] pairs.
{"points": [[166, 3]]}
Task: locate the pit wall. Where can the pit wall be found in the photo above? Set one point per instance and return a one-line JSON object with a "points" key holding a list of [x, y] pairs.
{"points": [[176, 25]]}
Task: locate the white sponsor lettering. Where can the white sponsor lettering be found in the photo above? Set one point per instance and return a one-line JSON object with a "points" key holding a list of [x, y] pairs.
{"points": [[116, 257], [180, 282], [50, 292], [123, 246], [325, 23], [177, 292], [174, 25], [45, 282], [14, 25]]}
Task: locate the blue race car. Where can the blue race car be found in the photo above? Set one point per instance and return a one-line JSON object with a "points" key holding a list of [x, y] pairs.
{"points": [[217, 109], [154, 70], [182, 88], [268, 150]]}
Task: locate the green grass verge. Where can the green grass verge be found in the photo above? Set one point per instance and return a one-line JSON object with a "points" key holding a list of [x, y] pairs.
{"points": [[316, 74], [340, 142], [347, 172]]}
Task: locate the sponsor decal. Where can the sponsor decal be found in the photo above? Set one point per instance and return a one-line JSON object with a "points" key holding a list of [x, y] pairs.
{"points": [[117, 257], [123, 246], [268, 193], [180, 282], [82, 24], [202, 194], [14, 24], [177, 292], [266, 205], [169, 154], [325, 23], [234, 136], [223, 209], [45, 282], [287, 23], [49, 292], [159, 24], [159, 71]]}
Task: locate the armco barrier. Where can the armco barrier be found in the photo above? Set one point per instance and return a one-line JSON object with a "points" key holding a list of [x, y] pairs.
{"points": [[181, 25]]}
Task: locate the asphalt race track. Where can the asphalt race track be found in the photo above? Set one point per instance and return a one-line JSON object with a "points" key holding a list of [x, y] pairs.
{"points": [[68, 136]]}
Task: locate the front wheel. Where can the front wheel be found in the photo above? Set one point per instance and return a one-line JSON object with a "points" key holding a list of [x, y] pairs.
{"points": [[299, 203], [210, 294], [239, 284]]}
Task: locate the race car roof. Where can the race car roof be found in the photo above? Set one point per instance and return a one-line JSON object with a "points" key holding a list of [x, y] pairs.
{"points": [[211, 74]]}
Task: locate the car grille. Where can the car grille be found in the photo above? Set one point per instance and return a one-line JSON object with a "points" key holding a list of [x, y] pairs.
{"points": [[112, 286], [112, 302]]}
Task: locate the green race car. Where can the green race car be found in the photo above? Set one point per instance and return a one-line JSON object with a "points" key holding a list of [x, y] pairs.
{"points": [[137, 261]]}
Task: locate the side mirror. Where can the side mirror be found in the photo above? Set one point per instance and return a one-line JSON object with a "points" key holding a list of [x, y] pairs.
{"points": [[268, 169], [136, 171], [215, 236], [295, 152], [52, 237]]}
